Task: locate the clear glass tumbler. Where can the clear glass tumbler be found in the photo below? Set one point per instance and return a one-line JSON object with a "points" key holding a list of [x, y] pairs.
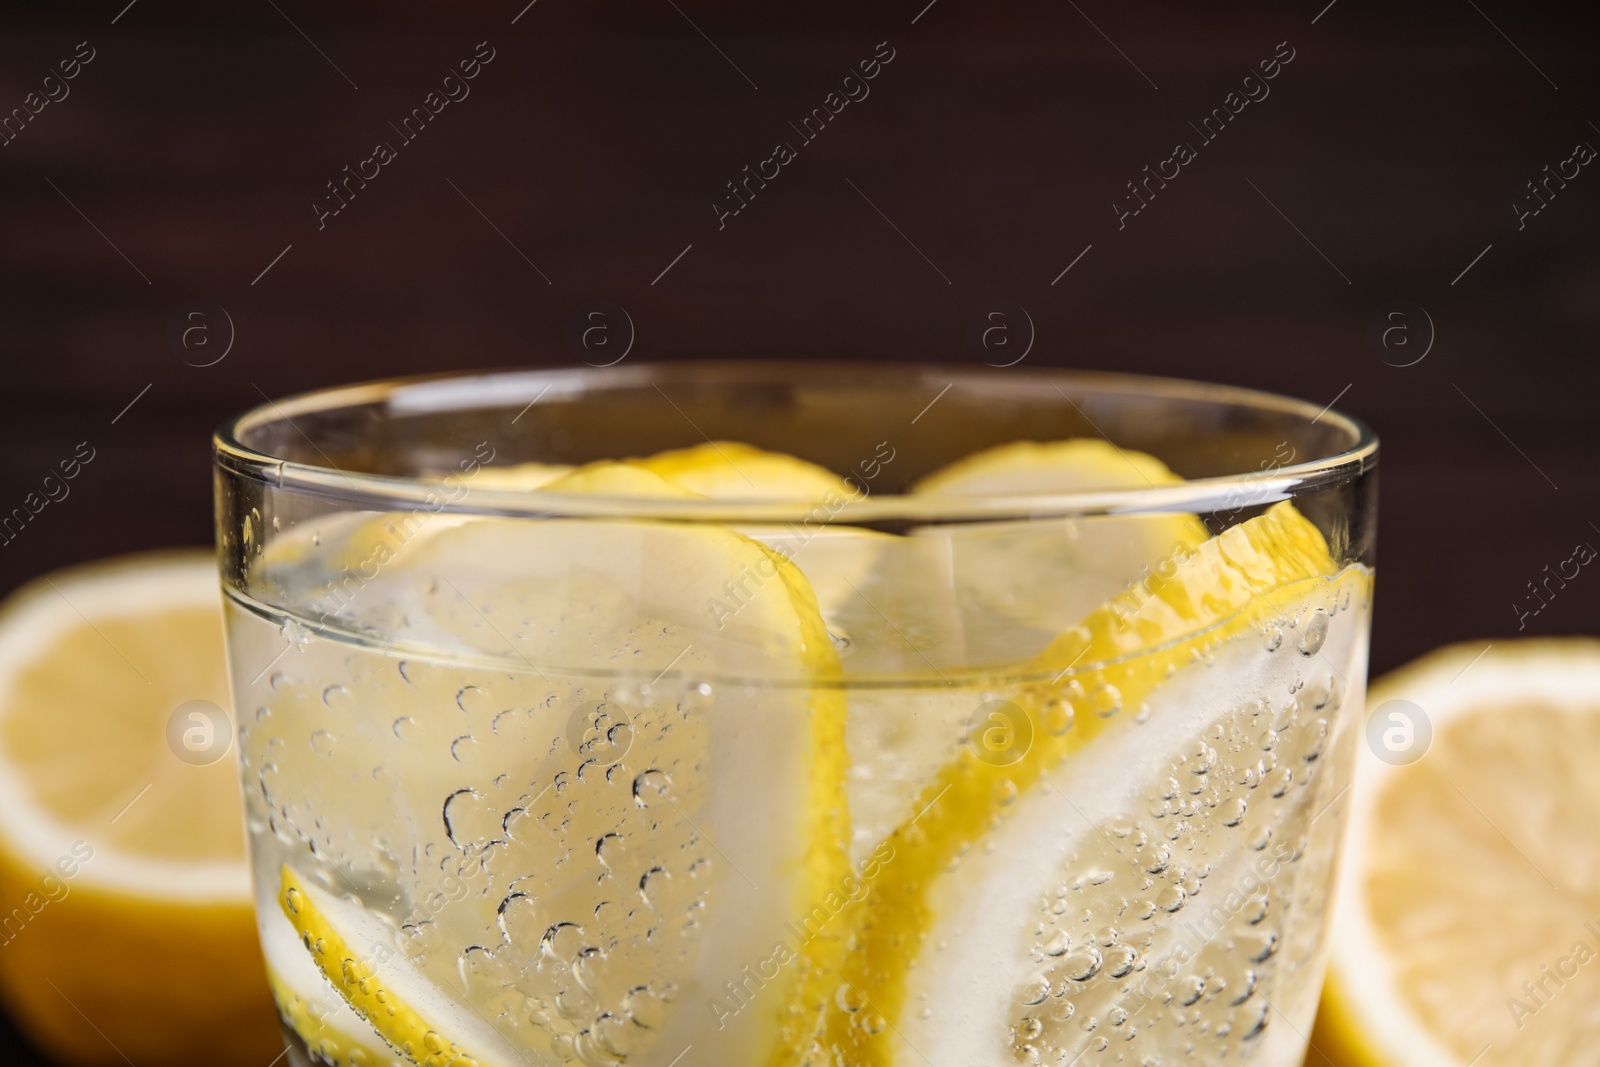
{"points": [[839, 726]]}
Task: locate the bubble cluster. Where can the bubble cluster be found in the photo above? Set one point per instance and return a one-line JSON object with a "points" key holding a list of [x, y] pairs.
{"points": [[1166, 930]]}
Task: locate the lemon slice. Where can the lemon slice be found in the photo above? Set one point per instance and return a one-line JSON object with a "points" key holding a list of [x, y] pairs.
{"points": [[1466, 919], [569, 792], [886, 604], [1027, 467], [517, 476], [418, 1020], [834, 557], [348, 545], [617, 478], [122, 866], [900, 995], [1019, 584], [730, 470]]}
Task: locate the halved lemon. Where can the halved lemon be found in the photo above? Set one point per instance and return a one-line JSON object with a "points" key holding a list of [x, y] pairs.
{"points": [[1038, 863], [127, 928], [590, 790], [1467, 919]]}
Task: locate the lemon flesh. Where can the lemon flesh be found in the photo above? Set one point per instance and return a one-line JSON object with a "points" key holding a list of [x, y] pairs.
{"points": [[1467, 915], [123, 865]]}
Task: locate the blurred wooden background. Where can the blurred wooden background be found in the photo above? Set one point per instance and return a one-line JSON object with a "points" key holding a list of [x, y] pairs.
{"points": [[187, 154]]}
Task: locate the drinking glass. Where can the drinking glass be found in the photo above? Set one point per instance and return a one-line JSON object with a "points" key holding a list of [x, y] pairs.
{"points": [[724, 758]]}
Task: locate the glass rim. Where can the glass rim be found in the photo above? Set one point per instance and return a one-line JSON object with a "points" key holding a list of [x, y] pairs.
{"points": [[464, 390]]}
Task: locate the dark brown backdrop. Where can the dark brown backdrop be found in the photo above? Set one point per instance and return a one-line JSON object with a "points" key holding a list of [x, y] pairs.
{"points": [[1385, 161]]}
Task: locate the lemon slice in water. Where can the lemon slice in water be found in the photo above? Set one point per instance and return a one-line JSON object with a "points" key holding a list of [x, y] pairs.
{"points": [[959, 952], [1019, 584], [591, 804], [422, 1022], [731, 470]]}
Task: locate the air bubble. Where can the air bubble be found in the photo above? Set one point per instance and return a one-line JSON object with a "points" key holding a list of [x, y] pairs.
{"points": [[655, 876], [1082, 965], [849, 998], [697, 697], [1316, 740], [610, 849], [1035, 991], [645, 1008], [1316, 632], [1119, 960], [650, 786], [466, 821], [519, 921], [1105, 700], [1059, 716]]}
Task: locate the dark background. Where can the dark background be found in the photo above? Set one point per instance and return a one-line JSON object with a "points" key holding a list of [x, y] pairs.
{"points": [[190, 150]]}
